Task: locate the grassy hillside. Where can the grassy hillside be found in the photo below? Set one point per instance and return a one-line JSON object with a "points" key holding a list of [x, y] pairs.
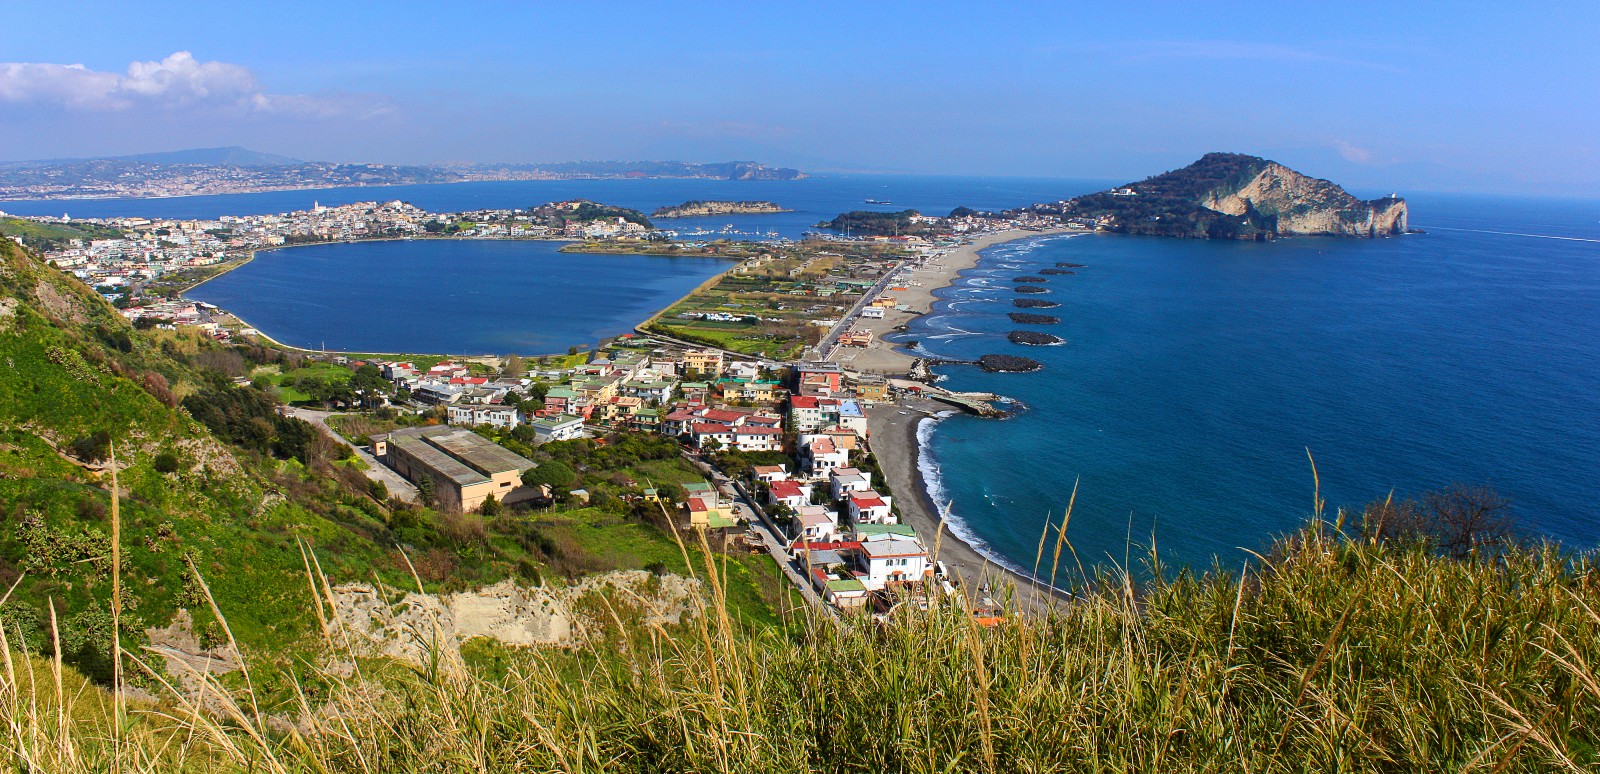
{"points": [[213, 479], [48, 235], [1334, 653]]}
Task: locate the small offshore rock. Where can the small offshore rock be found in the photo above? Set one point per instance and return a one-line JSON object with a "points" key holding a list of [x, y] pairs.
{"points": [[1065, 265], [1026, 318], [1036, 280], [1008, 364], [1033, 303], [1033, 338], [1057, 271], [1032, 289]]}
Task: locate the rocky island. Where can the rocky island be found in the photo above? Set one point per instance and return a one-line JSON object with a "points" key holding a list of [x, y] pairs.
{"points": [[1008, 364], [1233, 196], [1034, 280], [1031, 289], [695, 209], [1026, 318], [1033, 338], [1033, 303]]}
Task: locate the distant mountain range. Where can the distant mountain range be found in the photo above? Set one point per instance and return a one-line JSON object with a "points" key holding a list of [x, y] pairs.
{"points": [[233, 169], [1233, 196]]}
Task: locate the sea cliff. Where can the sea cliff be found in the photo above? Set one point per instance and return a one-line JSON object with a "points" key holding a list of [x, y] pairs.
{"points": [[1233, 196]]}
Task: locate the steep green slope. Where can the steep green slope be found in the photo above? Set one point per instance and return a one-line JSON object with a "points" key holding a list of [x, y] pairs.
{"points": [[79, 382]]}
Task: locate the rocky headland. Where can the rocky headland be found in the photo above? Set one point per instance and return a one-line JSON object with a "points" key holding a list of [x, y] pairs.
{"points": [[1233, 196]]}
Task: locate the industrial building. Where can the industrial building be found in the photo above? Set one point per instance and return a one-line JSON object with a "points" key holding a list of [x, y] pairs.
{"points": [[465, 467]]}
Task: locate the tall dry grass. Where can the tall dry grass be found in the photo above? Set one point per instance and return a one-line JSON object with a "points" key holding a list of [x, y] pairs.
{"points": [[1330, 653]]}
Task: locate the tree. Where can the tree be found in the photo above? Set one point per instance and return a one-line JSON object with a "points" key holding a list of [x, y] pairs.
{"points": [[1456, 521], [491, 507], [514, 365], [425, 490], [554, 474], [710, 446]]}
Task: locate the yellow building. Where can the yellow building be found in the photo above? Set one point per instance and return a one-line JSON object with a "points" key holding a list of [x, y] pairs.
{"points": [[708, 362], [465, 468]]}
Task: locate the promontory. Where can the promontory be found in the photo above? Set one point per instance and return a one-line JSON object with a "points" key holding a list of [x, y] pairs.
{"points": [[1232, 196]]}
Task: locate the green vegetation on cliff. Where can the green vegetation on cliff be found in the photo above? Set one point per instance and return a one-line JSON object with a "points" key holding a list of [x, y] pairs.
{"points": [[870, 223]]}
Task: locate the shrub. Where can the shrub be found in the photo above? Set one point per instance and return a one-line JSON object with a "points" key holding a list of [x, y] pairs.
{"points": [[166, 462]]}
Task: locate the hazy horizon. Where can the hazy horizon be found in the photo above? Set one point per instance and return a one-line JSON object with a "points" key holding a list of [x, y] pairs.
{"points": [[1371, 96]]}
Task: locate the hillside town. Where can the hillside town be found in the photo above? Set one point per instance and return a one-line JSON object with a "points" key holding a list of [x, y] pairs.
{"points": [[786, 448]]}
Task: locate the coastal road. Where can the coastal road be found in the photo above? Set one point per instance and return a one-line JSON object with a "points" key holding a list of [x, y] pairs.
{"points": [[377, 471], [831, 342]]}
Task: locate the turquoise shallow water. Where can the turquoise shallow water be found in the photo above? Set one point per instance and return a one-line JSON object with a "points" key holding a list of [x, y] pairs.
{"points": [[1197, 375]]}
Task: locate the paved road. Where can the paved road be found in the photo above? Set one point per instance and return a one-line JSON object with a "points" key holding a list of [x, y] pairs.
{"points": [[771, 536], [377, 471]]}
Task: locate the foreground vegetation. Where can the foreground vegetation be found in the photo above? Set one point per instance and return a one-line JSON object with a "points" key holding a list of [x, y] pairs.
{"points": [[1334, 653]]}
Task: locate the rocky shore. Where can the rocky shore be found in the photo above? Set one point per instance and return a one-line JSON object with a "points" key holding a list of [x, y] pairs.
{"points": [[695, 209]]}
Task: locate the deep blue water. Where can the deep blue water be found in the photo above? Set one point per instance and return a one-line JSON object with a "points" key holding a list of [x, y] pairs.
{"points": [[458, 296], [1197, 375]]}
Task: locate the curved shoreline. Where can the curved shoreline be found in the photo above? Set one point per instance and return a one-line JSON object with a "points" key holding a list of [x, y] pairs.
{"points": [[904, 452], [183, 293]]}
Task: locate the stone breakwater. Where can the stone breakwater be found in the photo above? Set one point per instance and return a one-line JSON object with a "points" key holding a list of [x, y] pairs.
{"points": [[1035, 280], [1026, 318], [1032, 289]]}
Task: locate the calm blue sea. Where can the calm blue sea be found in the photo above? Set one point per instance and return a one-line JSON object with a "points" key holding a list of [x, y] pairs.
{"points": [[1195, 378], [1197, 375]]}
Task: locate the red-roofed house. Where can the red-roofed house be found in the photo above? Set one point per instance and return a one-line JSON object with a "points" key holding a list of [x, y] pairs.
{"points": [[790, 493], [870, 508]]}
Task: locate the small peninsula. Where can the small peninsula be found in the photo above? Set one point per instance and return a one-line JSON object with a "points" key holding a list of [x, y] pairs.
{"points": [[695, 209]]}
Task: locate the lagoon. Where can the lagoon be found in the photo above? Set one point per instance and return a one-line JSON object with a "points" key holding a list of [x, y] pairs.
{"points": [[451, 296]]}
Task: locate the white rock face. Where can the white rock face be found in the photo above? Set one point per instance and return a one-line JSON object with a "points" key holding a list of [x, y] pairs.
{"points": [[405, 625], [1309, 206]]}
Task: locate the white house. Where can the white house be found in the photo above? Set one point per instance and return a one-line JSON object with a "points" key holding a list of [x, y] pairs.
{"points": [[817, 524], [563, 427], [843, 481], [771, 473], [494, 416], [870, 508], [790, 493], [753, 438], [823, 456], [893, 561]]}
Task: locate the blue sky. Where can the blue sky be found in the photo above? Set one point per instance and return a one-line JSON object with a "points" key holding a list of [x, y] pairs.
{"points": [[1465, 96]]}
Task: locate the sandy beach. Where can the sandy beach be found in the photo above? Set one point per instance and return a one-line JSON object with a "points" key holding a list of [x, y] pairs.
{"points": [[893, 427], [915, 300]]}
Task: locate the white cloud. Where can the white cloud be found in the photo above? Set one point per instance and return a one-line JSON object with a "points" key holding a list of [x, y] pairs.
{"points": [[1353, 153], [180, 80]]}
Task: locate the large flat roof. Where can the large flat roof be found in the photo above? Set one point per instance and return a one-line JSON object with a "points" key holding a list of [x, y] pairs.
{"points": [[441, 463], [452, 450]]}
